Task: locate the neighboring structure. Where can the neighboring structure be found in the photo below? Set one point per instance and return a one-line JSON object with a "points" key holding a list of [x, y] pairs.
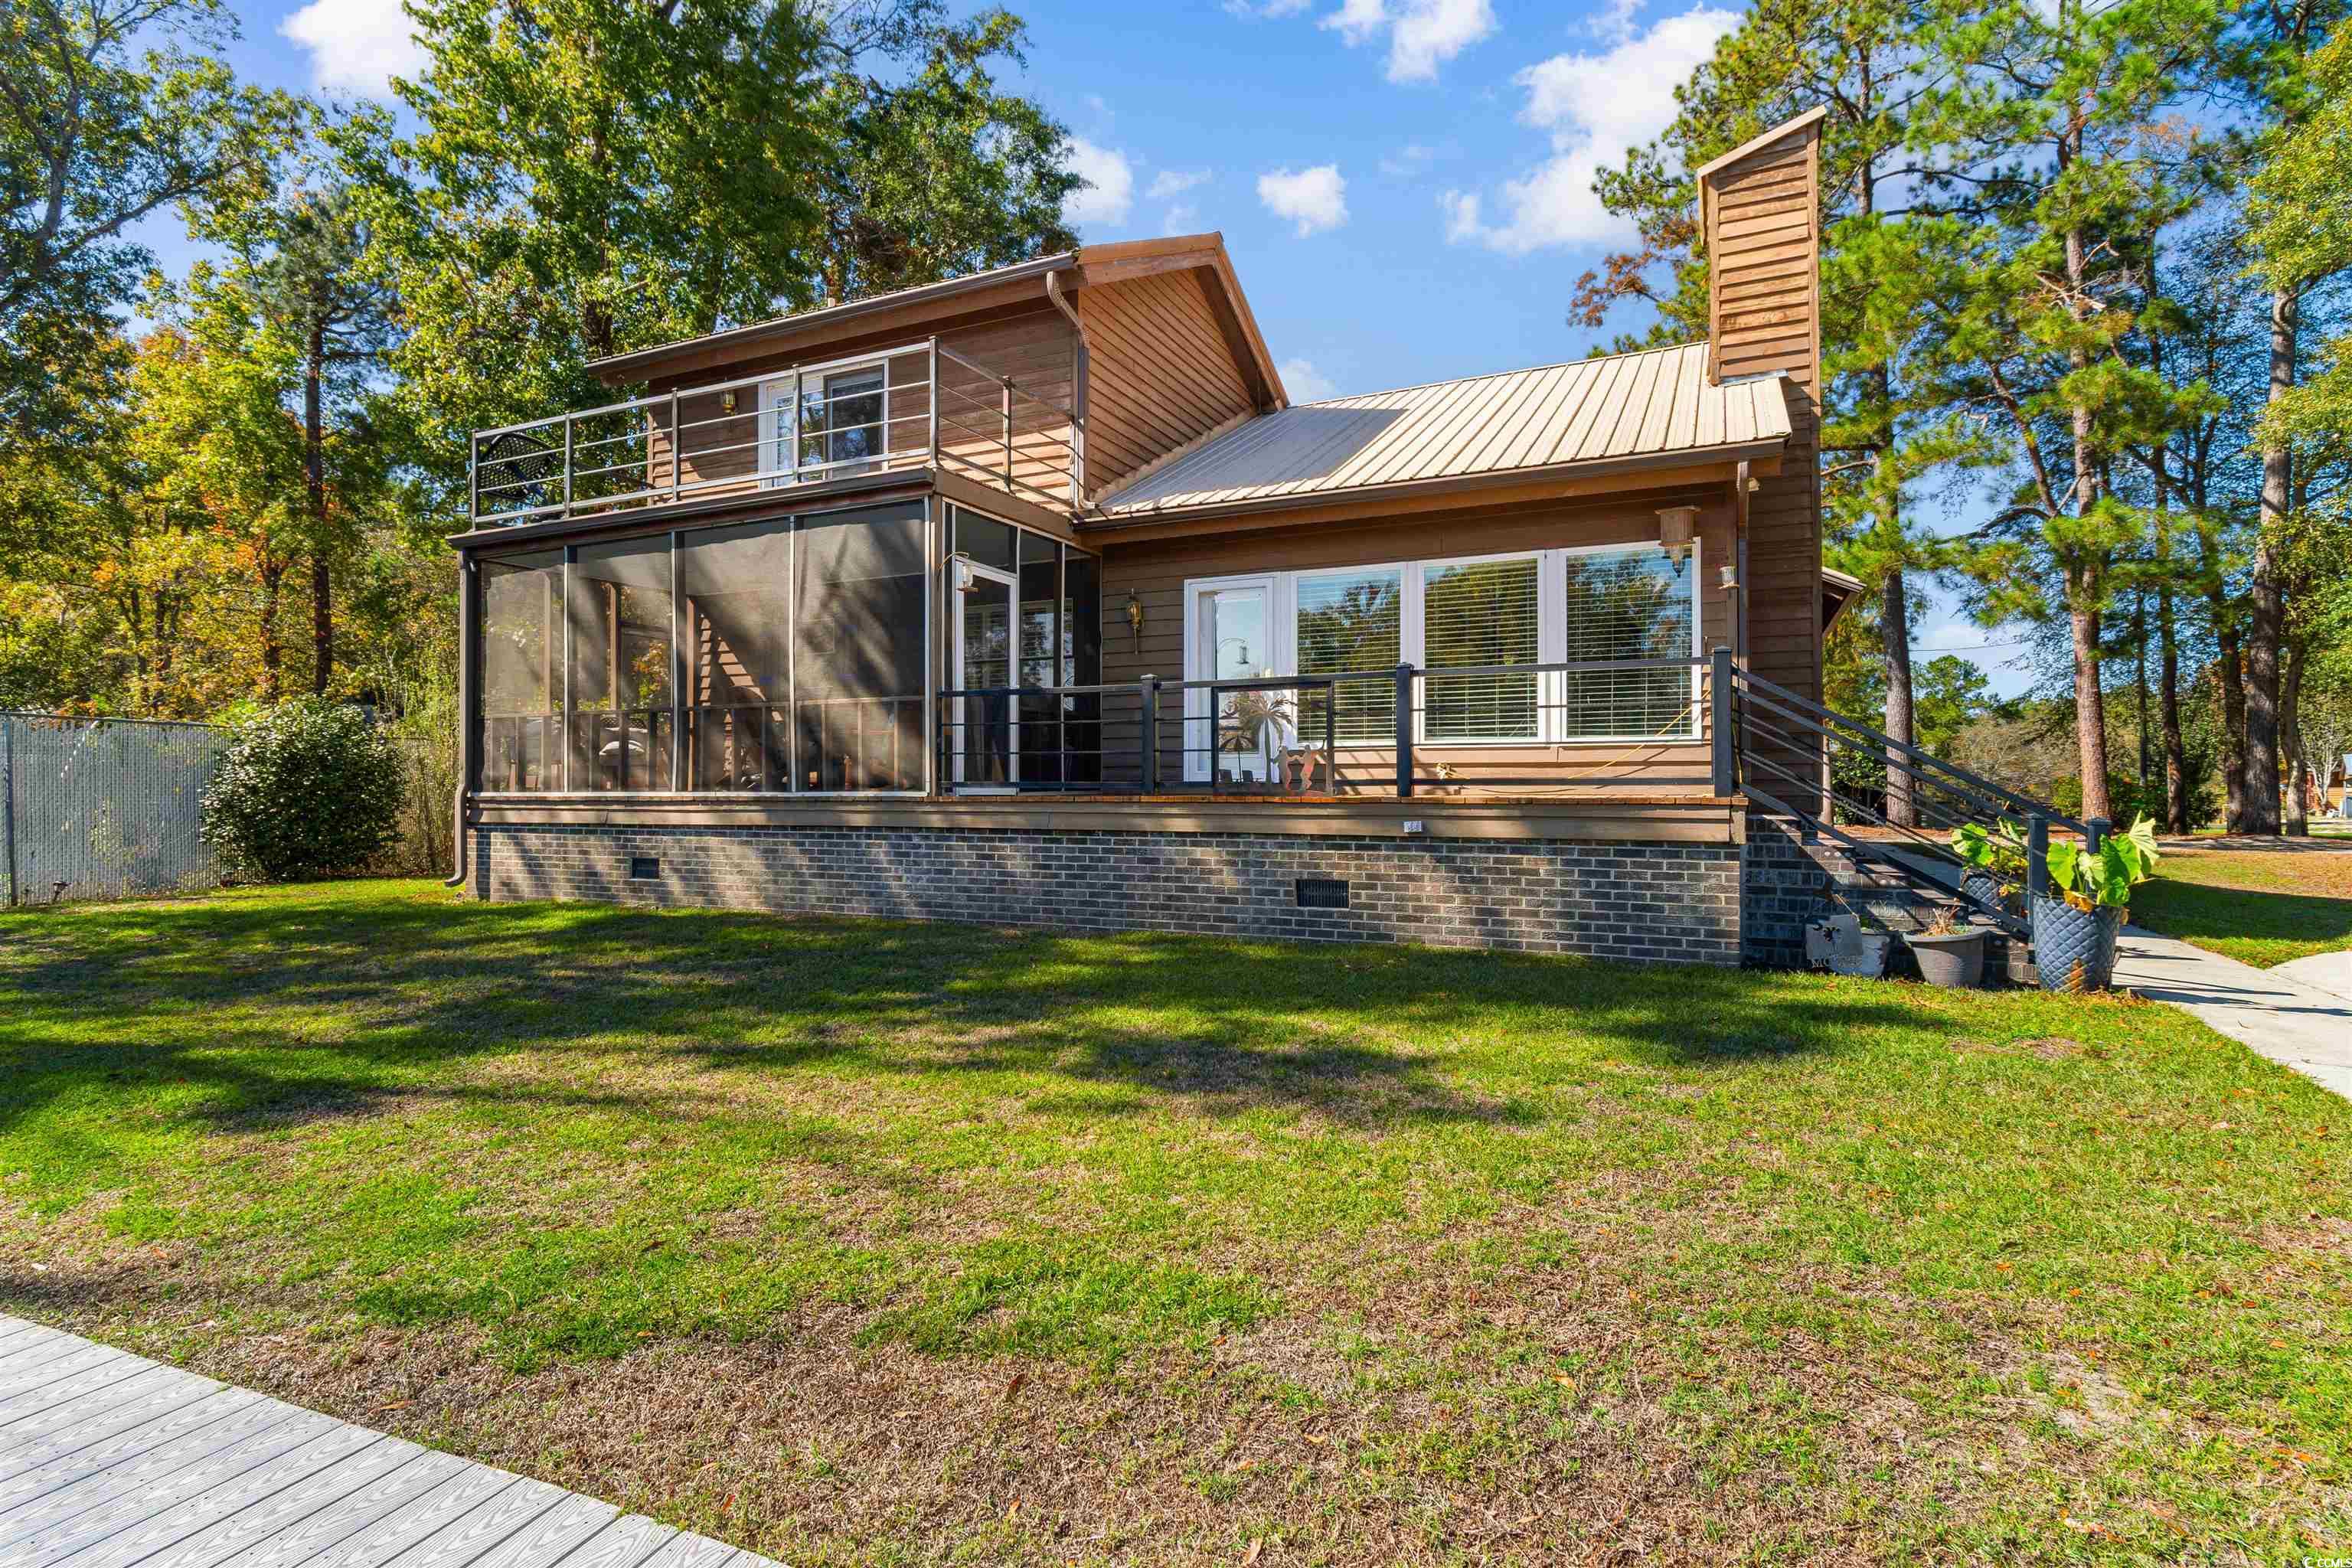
{"points": [[1030, 598]]}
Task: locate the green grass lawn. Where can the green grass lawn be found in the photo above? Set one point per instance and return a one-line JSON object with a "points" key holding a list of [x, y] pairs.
{"points": [[2260, 906], [875, 1243]]}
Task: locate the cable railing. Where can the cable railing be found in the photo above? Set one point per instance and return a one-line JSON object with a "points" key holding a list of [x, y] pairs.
{"points": [[1400, 733], [1894, 802], [920, 404]]}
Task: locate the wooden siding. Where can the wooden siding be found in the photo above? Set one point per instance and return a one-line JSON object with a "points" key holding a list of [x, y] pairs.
{"points": [[1156, 574], [1161, 374], [1033, 348], [1760, 212]]}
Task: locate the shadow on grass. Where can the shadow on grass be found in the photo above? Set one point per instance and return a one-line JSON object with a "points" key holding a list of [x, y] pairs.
{"points": [[306, 1004]]}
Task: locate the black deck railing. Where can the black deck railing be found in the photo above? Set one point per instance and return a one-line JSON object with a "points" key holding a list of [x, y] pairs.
{"points": [[1893, 802], [1395, 732]]}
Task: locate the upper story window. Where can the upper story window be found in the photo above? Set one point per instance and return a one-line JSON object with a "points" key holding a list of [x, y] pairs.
{"points": [[828, 422]]}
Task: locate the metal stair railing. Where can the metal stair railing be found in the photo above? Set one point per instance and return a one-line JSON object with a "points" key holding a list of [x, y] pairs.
{"points": [[1776, 728]]}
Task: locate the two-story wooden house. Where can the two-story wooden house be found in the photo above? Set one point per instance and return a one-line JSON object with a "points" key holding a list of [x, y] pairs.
{"points": [[1030, 597]]}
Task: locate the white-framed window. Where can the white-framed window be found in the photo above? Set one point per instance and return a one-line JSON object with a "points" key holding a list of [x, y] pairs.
{"points": [[1614, 603], [827, 420]]}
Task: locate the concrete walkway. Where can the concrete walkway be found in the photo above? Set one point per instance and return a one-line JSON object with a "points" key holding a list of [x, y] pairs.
{"points": [[2271, 1011], [2331, 972], [109, 1460]]}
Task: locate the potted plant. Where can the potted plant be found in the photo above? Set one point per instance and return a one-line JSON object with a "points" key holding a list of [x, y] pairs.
{"points": [[1950, 952], [2076, 922], [1995, 862]]}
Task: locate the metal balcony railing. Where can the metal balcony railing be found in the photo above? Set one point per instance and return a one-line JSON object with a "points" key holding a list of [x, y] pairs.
{"points": [[918, 405], [1382, 732]]}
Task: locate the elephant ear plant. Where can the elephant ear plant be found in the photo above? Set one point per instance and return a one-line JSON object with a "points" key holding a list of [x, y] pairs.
{"points": [[2076, 921], [2089, 881]]}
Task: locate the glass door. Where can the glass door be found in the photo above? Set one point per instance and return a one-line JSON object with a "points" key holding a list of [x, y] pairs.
{"points": [[1231, 736], [987, 755]]}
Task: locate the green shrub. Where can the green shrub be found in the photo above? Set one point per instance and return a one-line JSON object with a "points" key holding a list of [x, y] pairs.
{"points": [[309, 788]]}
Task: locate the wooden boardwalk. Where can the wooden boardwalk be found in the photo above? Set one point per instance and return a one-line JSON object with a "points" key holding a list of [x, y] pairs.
{"points": [[109, 1460]]}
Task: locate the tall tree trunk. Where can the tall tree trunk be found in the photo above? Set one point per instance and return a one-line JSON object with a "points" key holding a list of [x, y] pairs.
{"points": [[314, 463], [2086, 579], [2266, 619], [2229, 672], [2090, 714], [2168, 704], [2296, 820], [273, 656], [2140, 661], [1895, 628]]}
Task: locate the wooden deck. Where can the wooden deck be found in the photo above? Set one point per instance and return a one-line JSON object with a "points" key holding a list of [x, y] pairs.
{"points": [[107, 1460]]}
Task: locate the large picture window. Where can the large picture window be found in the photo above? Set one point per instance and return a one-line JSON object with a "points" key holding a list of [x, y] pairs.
{"points": [[1478, 615], [1616, 603], [1350, 621], [1630, 603]]}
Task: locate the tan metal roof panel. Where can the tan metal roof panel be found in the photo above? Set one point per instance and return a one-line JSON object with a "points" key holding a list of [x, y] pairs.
{"points": [[1657, 402]]}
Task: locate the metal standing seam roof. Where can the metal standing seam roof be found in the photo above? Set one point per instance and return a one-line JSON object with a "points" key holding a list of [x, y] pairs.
{"points": [[1657, 401]]}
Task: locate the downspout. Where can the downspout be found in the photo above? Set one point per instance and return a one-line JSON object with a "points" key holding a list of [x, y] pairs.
{"points": [[1742, 485], [1080, 357], [469, 639]]}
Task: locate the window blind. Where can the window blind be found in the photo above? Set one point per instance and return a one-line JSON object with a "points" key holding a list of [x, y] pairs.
{"points": [[1628, 603], [1477, 614], [1350, 621]]}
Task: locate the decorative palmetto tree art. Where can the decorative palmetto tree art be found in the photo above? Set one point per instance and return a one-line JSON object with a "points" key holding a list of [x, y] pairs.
{"points": [[1251, 723]]}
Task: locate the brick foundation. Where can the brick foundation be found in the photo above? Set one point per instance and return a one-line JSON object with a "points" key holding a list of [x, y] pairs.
{"points": [[1642, 902]]}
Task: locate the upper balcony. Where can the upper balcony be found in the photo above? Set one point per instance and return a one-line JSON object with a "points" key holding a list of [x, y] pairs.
{"points": [[920, 405]]}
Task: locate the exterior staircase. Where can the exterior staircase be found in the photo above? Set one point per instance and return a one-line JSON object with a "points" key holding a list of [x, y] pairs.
{"points": [[1892, 868]]}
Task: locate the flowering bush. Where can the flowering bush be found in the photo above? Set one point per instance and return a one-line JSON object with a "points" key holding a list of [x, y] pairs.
{"points": [[309, 788]]}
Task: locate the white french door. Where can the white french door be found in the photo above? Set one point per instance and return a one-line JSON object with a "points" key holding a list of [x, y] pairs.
{"points": [[1234, 631]]}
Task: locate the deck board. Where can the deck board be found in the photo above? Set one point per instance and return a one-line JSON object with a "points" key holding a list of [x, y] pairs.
{"points": [[109, 1460]]}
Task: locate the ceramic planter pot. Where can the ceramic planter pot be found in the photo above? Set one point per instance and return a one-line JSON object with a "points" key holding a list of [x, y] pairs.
{"points": [[1953, 958], [1840, 945], [2076, 949]]}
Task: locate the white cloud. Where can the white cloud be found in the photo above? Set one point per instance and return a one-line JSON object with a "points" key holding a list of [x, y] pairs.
{"points": [[1615, 22], [1596, 108], [1109, 188], [1410, 159], [356, 46], [1315, 199], [1182, 218], [1304, 382], [1171, 183], [1422, 33]]}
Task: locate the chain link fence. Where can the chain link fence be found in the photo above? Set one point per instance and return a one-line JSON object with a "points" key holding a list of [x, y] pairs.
{"points": [[101, 808]]}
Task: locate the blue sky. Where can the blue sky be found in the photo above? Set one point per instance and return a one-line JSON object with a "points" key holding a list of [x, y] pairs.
{"points": [[1405, 184]]}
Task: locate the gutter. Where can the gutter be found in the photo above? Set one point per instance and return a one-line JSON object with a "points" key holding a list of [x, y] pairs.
{"points": [[621, 368], [670, 514], [1100, 521]]}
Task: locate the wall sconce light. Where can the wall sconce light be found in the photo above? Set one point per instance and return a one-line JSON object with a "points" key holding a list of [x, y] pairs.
{"points": [[726, 402], [1135, 619], [1677, 527]]}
